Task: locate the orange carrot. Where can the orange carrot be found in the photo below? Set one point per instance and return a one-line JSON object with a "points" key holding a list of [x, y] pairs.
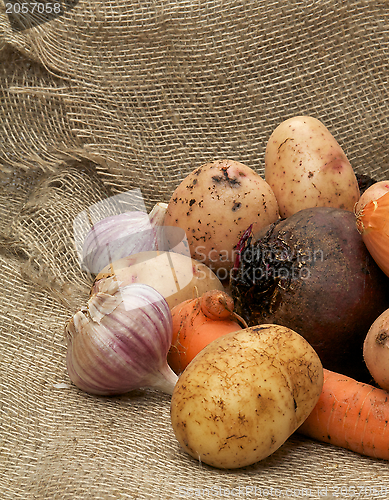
{"points": [[196, 322], [352, 415]]}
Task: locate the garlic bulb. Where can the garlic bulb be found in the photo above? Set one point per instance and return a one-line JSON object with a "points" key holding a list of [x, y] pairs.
{"points": [[121, 235], [120, 341]]}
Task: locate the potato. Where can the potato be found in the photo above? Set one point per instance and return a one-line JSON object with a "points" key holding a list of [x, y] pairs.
{"points": [[306, 167], [373, 192], [244, 394], [214, 205], [175, 276], [376, 350]]}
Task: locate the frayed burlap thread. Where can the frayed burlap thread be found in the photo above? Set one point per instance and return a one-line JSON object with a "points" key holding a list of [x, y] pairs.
{"points": [[115, 96]]}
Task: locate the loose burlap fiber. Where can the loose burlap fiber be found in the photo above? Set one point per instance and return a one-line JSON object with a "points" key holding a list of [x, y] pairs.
{"points": [[118, 95]]}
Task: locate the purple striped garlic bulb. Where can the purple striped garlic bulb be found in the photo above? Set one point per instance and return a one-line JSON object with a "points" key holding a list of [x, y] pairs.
{"points": [[124, 234], [120, 340]]}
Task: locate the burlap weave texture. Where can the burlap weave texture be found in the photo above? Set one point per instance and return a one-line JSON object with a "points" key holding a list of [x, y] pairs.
{"points": [[117, 95]]}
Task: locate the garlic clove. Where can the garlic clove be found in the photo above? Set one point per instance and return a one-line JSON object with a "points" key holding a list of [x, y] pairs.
{"points": [[157, 214], [157, 217], [168, 238]]}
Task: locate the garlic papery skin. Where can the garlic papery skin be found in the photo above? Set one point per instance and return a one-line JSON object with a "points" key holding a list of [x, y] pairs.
{"points": [[119, 342], [157, 217], [157, 214], [116, 237]]}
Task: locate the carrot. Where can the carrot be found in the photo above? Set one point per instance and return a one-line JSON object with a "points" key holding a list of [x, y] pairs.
{"points": [[352, 415], [196, 322]]}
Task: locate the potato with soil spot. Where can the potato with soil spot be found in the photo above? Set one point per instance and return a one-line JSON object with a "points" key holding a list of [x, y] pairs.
{"points": [[214, 205], [175, 276], [306, 167], [376, 350], [244, 394]]}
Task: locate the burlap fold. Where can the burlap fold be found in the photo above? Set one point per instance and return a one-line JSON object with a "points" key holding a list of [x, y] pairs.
{"points": [[117, 95]]}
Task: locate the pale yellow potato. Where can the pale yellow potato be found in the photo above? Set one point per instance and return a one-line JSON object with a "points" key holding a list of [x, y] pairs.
{"points": [[376, 350], [373, 192], [214, 205], [175, 276], [244, 394], [306, 167]]}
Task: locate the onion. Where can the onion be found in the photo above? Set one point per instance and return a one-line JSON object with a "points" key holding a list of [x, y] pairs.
{"points": [[373, 224], [120, 342], [373, 192]]}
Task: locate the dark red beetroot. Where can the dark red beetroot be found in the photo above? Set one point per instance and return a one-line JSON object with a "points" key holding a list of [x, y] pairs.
{"points": [[312, 273]]}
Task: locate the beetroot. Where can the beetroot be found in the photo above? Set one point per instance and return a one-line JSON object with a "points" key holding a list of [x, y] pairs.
{"points": [[312, 273]]}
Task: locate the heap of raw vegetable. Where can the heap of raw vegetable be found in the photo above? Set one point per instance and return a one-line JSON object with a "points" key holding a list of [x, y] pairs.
{"points": [[261, 305]]}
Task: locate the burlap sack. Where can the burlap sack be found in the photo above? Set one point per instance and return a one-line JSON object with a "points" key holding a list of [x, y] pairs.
{"points": [[117, 95]]}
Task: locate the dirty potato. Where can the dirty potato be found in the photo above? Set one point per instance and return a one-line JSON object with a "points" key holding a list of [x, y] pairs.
{"points": [[175, 276], [244, 394], [306, 167], [214, 205], [376, 350]]}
